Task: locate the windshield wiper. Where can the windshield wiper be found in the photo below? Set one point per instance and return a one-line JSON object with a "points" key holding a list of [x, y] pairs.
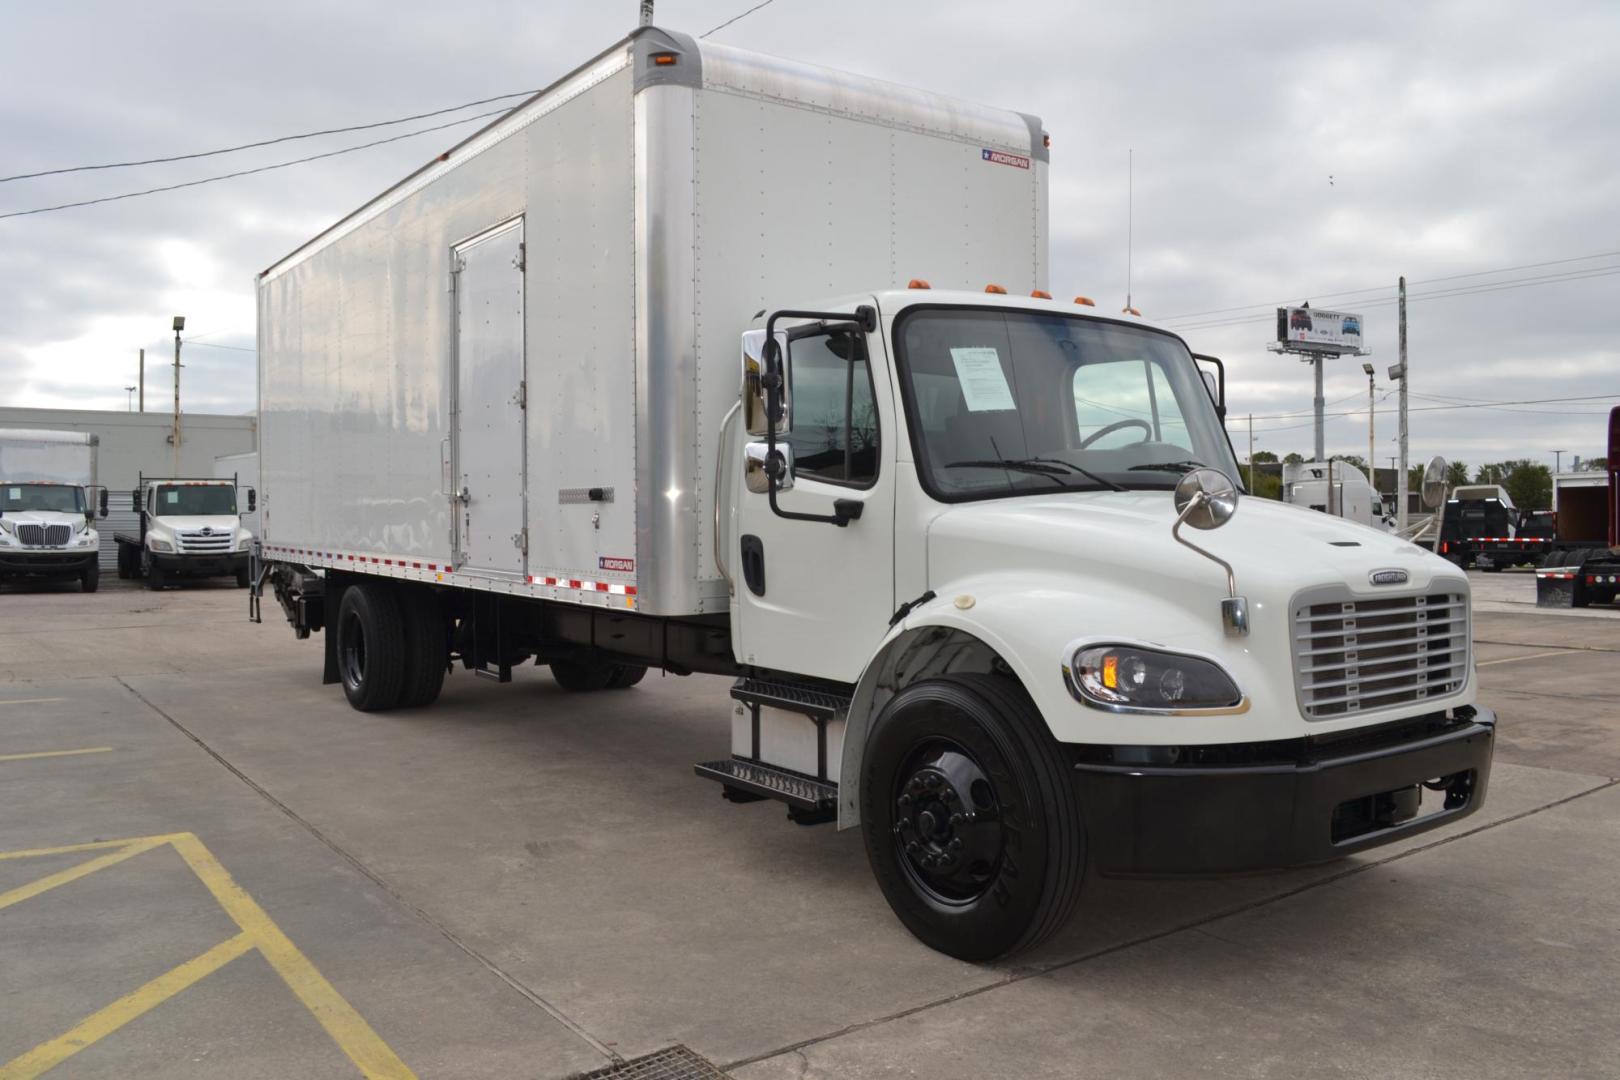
{"points": [[1169, 466], [1040, 467]]}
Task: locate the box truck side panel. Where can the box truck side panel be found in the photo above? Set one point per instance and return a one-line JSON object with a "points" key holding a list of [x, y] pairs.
{"points": [[358, 374], [581, 339]]}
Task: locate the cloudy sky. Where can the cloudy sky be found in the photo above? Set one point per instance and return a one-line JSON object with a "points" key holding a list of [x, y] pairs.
{"points": [[1468, 138]]}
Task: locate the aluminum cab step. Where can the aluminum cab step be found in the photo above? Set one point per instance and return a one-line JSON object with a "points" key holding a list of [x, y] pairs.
{"points": [[811, 699], [806, 795]]}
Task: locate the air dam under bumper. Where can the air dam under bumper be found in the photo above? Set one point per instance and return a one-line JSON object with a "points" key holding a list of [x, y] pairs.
{"points": [[46, 562], [201, 565], [1279, 805]]}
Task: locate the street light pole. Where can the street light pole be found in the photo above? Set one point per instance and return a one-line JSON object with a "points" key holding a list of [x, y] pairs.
{"points": [[130, 404], [174, 433], [1372, 462], [1558, 461]]}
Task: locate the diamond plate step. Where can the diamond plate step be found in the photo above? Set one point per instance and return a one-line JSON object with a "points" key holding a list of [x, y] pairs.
{"points": [[795, 697], [802, 792]]}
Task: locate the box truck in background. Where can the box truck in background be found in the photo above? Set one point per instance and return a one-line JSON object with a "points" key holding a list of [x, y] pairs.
{"points": [[647, 374], [49, 501], [1582, 564], [1337, 488]]}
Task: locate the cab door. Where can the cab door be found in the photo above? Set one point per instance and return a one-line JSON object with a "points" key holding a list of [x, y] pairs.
{"points": [[815, 597]]}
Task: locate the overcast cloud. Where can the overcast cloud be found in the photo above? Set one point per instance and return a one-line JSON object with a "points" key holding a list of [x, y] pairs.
{"points": [[1460, 137]]}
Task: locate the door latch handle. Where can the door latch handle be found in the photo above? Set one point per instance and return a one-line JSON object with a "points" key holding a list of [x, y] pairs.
{"points": [[464, 495]]}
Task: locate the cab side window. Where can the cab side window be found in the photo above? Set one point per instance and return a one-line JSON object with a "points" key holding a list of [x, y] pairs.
{"points": [[835, 424]]}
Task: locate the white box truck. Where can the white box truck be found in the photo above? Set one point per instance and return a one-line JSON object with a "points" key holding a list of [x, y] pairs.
{"points": [[626, 381], [49, 501]]}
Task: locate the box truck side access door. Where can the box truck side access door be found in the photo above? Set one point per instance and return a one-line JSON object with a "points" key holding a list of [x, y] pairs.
{"points": [[812, 596], [487, 272]]}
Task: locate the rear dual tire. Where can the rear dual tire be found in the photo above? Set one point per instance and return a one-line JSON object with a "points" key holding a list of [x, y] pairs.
{"points": [[970, 817], [584, 676], [392, 647]]}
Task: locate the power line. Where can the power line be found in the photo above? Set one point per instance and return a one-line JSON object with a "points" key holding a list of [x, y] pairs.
{"points": [[1475, 405], [262, 142], [1438, 294], [211, 345], [250, 172], [1379, 288], [734, 18]]}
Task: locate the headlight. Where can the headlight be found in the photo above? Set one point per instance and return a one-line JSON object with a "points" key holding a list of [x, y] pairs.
{"points": [[6, 526], [1127, 678], [244, 543], [87, 538], [159, 545]]}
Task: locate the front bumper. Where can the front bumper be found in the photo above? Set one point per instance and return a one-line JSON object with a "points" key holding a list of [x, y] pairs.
{"points": [[1259, 806], [46, 562], [200, 565]]}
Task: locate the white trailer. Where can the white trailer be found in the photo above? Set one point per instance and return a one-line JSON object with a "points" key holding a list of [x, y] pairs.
{"points": [[1337, 488], [645, 374], [49, 501]]}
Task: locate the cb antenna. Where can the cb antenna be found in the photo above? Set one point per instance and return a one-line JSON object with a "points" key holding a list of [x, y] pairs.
{"points": [[1130, 226]]}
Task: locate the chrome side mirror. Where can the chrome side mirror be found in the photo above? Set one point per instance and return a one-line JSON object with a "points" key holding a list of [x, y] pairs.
{"points": [[753, 386], [1206, 499], [758, 463], [1434, 482]]}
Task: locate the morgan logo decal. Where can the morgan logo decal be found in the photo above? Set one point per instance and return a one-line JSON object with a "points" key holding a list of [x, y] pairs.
{"points": [[606, 562], [996, 157], [1388, 577]]}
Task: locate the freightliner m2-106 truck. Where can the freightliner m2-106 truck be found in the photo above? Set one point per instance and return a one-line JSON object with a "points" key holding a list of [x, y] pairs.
{"points": [[190, 528], [624, 381], [49, 500]]}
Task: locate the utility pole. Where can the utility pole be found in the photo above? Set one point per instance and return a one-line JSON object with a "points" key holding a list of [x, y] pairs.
{"points": [[1558, 462], [1316, 362], [1372, 462], [174, 434], [143, 380], [1399, 372], [1251, 453]]}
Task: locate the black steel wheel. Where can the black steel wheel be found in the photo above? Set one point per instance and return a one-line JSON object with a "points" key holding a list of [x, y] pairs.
{"points": [[970, 817], [371, 647]]}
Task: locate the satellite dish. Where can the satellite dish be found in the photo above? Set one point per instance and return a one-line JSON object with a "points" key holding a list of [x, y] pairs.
{"points": [[1434, 482]]}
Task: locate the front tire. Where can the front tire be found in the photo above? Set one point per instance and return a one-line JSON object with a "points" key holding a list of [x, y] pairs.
{"points": [[971, 820], [371, 647], [242, 578], [90, 578], [155, 577]]}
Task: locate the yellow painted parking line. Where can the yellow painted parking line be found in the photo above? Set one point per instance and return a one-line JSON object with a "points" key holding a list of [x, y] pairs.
{"points": [[1531, 656], [131, 1006], [74, 873], [347, 1028], [31, 700], [55, 753]]}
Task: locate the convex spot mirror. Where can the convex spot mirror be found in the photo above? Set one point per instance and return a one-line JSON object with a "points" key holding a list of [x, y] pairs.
{"points": [[1206, 498], [252, 500], [102, 502], [753, 388], [1434, 482]]}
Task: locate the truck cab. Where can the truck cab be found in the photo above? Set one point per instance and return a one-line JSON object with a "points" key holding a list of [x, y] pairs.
{"points": [[47, 530], [188, 529]]}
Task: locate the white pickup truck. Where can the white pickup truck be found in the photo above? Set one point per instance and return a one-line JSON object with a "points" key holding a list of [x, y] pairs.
{"points": [[190, 528], [628, 380], [49, 501]]}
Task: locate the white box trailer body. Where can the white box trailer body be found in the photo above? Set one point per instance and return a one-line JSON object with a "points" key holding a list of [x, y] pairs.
{"points": [[48, 457], [592, 255]]}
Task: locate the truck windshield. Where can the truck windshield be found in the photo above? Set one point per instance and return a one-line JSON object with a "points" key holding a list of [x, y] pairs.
{"points": [[194, 500], [62, 497], [1011, 402]]}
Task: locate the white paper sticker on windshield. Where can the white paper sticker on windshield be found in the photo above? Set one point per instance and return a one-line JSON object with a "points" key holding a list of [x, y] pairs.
{"points": [[16, 493], [984, 384], [171, 497]]}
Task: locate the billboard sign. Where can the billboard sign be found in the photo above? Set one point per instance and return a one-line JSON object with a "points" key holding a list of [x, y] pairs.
{"points": [[1308, 329]]}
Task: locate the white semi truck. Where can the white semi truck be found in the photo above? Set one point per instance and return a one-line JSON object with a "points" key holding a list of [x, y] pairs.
{"points": [[625, 380], [1337, 488], [49, 501], [189, 528]]}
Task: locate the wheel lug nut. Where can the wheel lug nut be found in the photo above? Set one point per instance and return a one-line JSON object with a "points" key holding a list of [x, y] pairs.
{"points": [[956, 843], [913, 847], [933, 781], [957, 819], [905, 800]]}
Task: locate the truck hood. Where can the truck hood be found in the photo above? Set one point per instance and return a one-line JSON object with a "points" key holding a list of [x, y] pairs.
{"points": [[220, 523], [46, 517], [1124, 538]]}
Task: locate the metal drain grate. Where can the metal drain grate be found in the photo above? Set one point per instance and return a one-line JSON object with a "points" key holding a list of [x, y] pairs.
{"points": [[675, 1063]]}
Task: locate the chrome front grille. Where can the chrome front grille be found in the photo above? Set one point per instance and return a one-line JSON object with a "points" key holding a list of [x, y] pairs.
{"points": [[216, 542], [45, 535], [1357, 656]]}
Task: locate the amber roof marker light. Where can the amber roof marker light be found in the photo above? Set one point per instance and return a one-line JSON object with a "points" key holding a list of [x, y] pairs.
{"points": [[1085, 301], [1040, 294], [918, 283], [996, 290], [665, 59]]}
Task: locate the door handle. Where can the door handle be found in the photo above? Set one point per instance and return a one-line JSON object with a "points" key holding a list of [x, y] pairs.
{"points": [[463, 496]]}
